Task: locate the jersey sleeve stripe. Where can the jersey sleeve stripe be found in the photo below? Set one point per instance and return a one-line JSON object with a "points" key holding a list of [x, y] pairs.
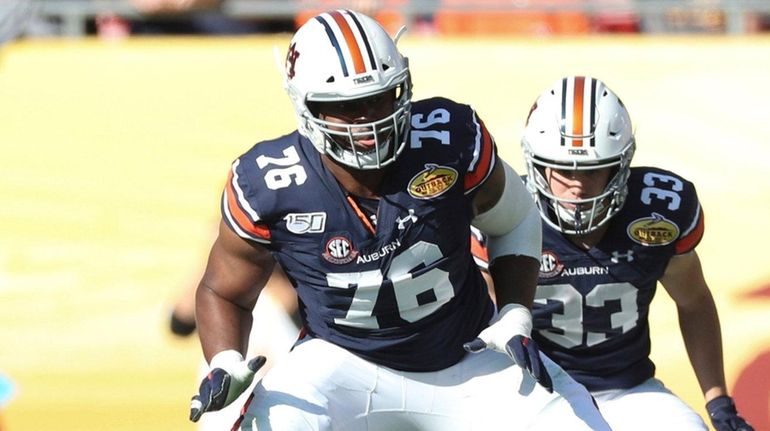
{"points": [[483, 157], [228, 218], [242, 203], [479, 252], [237, 210], [692, 236]]}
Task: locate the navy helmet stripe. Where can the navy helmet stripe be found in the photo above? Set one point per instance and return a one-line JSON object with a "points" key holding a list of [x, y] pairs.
{"points": [[592, 107], [335, 43], [563, 110], [365, 39]]}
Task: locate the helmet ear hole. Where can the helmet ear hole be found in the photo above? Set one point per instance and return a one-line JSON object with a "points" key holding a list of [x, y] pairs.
{"points": [[313, 107]]}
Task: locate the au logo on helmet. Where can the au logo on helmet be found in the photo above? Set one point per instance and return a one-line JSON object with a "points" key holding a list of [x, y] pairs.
{"points": [[291, 60], [433, 181], [654, 230]]}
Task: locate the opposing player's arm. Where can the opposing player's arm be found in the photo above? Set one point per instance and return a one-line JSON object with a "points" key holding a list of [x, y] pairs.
{"points": [[236, 272]]}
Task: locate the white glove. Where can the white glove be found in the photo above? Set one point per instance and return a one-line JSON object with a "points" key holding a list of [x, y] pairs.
{"points": [[513, 319], [228, 377], [509, 333]]}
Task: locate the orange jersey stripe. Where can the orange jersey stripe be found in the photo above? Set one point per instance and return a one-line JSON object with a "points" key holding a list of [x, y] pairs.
{"points": [[689, 241], [350, 40], [237, 425], [361, 215], [577, 111], [478, 250], [474, 178], [239, 215]]}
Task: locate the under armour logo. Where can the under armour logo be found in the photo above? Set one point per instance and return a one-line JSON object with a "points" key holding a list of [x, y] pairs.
{"points": [[628, 256], [402, 221], [291, 59]]}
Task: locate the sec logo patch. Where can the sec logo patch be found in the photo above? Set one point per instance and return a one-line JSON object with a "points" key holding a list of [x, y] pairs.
{"points": [[339, 250], [433, 181], [654, 230], [550, 265]]}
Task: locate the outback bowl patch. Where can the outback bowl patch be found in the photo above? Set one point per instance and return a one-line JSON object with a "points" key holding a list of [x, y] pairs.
{"points": [[653, 230], [433, 181]]}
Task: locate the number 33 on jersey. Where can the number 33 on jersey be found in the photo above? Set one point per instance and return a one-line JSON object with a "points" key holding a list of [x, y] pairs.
{"points": [[591, 306]]}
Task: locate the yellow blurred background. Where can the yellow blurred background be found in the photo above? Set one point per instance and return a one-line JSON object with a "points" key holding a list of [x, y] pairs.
{"points": [[113, 155]]}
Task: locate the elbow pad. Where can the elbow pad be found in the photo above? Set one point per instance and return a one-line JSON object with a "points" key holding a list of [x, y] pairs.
{"points": [[513, 224]]}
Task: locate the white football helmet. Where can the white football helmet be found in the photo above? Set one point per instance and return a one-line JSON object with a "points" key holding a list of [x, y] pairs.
{"points": [[578, 124], [340, 56]]}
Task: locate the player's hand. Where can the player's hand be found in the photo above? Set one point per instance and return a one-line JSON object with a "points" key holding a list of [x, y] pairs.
{"points": [[510, 334], [229, 376], [724, 416]]}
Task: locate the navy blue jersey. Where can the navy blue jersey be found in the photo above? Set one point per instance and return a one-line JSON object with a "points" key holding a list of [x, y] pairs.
{"points": [[591, 307], [404, 293]]}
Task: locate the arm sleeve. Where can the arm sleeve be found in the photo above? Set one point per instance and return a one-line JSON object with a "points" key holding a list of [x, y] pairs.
{"points": [[513, 224]]}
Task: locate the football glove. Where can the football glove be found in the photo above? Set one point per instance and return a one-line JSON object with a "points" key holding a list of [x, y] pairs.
{"points": [[509, 334], [229, 376], [724, 416]]}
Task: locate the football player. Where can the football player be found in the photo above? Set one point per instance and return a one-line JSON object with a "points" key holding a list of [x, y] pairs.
{"points": [[610, 233], [367, 208]]}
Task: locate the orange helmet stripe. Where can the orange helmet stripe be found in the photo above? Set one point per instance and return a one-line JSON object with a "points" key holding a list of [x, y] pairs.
{"points": [[350, 39], [577, 110]]}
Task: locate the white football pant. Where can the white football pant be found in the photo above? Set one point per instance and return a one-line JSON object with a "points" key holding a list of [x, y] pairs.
{"points": [[320, 387], [645, 407]]}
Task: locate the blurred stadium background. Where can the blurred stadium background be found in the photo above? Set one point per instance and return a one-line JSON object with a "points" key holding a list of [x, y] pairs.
{"points": [[114, 146]]}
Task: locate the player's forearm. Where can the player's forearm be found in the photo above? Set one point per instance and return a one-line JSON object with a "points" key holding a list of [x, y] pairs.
{"points": [[699, 324], [515, 279], [222, 325]]}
